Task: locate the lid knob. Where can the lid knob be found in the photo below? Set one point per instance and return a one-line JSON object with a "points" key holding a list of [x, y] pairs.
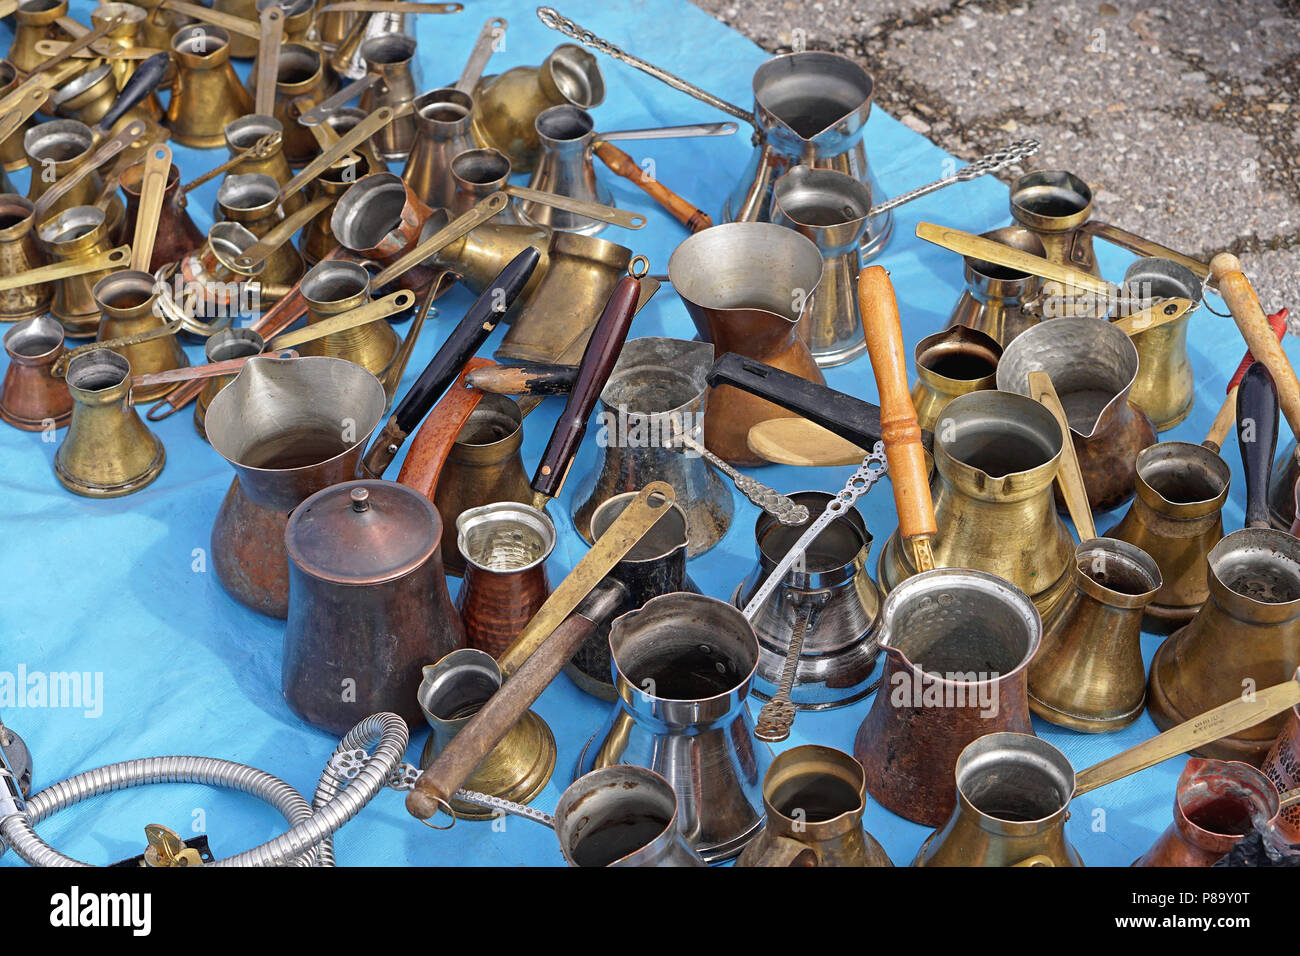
{"points": [[360, 499]]}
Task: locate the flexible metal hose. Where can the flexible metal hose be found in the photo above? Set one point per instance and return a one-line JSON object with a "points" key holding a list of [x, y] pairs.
{"points": [[299, 846]]}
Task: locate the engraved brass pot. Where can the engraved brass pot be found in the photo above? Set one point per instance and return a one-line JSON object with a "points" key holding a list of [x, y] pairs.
{"points": [[1247, 634], [19, 252], [206, 94], [995, 462], [1088, 674]]}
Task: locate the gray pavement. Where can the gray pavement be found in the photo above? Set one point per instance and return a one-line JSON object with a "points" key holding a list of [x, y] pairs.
{"points": [[1184, 116]]}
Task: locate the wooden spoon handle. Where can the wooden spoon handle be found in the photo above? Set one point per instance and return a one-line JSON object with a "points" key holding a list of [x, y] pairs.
{"points": [[899, 428], [1237, 292]]}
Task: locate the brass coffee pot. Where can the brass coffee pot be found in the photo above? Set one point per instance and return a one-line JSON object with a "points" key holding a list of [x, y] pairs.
{"points": [[19, 253], [1088, 674], [748, 287], [1053, 204], [35, 20], [995, 298], [206, 94], [1013, 797], [126, 303], [77, 233], [814, 797], [506, 106], [252, 200], [390, 58], [12, 158], [335, 286], [1164, 387], [108, 451], [442, 123], [951, 363], [1093, 366], [995, 455]]}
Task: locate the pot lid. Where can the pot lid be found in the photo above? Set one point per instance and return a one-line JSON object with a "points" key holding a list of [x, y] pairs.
{"points": [[363, 532]]}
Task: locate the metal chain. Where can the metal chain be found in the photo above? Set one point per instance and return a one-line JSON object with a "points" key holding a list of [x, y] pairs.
{"points": [[988, 163], [873, 468], [506, 806]]}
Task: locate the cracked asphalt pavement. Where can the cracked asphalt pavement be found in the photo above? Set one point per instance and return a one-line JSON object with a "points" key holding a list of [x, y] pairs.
{"points": [[1184, 117]]}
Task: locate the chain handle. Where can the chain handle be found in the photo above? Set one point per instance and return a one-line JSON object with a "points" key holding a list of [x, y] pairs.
{"points": [[988, 163]]}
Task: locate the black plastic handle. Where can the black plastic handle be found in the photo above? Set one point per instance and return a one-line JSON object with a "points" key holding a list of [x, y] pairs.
{"points": [[851, 418], [1257, 415], [143, 81], [479, 321]]}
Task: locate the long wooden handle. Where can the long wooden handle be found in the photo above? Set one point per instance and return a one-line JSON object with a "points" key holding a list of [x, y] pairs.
{"points": [[1236, 291], [624, 165], [453, 766], [429, 448], [1068, 474], [899, 428], [1228, 410]]}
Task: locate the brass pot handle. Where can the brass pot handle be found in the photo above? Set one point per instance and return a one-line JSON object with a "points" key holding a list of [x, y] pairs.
{"points": [[1069, 477], [153, 184], [462, 225], [271, 24], [362, 315], [33, 98], [170, 327], [107, 150], [263, 148], [1142, 247], [320, 112], [484, 47], [280, 233], [57, 271], [197, 373], [581, 207], [347, 143], [226, 21], [1153, 316]]}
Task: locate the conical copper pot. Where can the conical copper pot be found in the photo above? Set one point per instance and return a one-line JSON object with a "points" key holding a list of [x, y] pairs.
{"points": [[814, 797], [957, 646], [35, 20], [557, 318], [657, 389], [177, 235], [108, 451], [442, 131], [1216, 803], [1176, 517], [1164, 387], [368, 603], [995, 455], [1088, 674], [289, 427], [995, 296], [206, 93], [506, 106], [1013, 798], [72, 234], [335, 286], [391, 57], [12, 157], [748, 287], [19, 252], [31, 398], [503, 548], [484, 465], [1093, 366], [1053, 204], [1282, 765], [252, 200], [126, 304], [953, 362], [1246, 635]]}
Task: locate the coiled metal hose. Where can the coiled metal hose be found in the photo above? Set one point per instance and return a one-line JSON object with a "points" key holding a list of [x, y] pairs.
{"points": [[308, 842]]}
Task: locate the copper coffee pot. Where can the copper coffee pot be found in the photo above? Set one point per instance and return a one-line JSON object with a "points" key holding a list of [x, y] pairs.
{"points": [[368, 603], [1216, 803], [1282, 765], [289, 427], [31, 398], [748, 287], [177, 235]]}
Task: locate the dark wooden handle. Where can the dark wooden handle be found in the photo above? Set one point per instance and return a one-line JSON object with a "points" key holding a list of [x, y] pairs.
{"points": [[1257, 414], [531, 379], [142, 82], [451, 768], [598, 360]]}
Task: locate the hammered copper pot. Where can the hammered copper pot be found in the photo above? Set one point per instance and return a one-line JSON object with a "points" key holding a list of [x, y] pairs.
{"points": [[957, 646], [1216, 803]]}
